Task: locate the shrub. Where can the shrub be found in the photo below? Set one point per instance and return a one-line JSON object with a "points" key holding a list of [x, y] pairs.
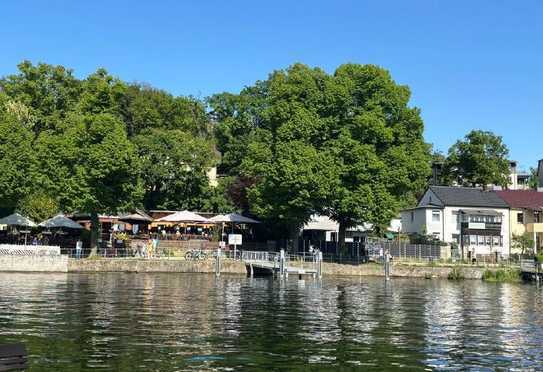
{"points": [[502, 275], [455, 274]]}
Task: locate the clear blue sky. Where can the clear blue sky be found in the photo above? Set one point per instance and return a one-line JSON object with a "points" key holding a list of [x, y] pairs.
{"points": [[470, 64]]}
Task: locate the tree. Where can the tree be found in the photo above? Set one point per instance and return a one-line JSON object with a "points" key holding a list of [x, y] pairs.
{"points": [[523, 242], [533, 180], [89, 164], [38, 207], [49, 92], [174, 168], [16, 156], [479, 160], [346, 145]]}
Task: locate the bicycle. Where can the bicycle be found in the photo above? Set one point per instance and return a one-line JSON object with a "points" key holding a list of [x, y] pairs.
{"points": [[195, 255]]}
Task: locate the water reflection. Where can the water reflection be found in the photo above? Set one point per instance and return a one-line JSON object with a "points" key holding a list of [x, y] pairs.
{"points": [[173, 322]]}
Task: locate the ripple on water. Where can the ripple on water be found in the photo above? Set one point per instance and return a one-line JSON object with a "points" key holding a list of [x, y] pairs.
{"points": [[173, 322]]}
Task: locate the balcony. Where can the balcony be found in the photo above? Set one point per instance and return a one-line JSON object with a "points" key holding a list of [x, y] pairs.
{"points": [[536, 227]]}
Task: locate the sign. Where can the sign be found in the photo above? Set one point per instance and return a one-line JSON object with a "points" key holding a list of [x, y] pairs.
{"points": [[477, 225], [234, 239]]}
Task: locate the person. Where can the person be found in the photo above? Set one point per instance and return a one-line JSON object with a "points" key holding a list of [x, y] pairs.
{"points": [[78, 248], [35, 241]]}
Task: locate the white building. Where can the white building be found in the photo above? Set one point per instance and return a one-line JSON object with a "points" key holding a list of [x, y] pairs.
{"points": [[323, 228], [476, 220]]}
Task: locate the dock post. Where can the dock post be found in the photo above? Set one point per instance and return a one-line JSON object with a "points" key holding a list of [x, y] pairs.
{"points": [[251, 270], [218, 262], [282, 262], [319, 264]]}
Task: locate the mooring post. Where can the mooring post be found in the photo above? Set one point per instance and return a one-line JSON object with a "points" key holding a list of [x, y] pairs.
{"points": [[218, 262], [252, 272], [282, 262], [319, 264], [387, 266]]}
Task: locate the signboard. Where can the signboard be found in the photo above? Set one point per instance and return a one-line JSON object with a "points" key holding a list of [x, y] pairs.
{"points": [[477, 225], [234, 239]]}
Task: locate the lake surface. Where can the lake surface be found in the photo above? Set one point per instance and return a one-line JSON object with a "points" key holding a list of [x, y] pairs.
{"points": [[176, 322]]}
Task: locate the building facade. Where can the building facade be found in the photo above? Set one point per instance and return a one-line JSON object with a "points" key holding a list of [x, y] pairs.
{"points": [[476, 220], [526, 215]]}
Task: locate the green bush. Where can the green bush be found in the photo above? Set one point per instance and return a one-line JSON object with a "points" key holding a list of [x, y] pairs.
{"points": [[502, 275], [455, 274]]}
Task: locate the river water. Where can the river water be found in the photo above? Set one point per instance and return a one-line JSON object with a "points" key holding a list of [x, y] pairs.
{"points": [[176, 322]]}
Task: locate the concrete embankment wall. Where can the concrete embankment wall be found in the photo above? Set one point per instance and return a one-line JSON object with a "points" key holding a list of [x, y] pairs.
{"points": [[34, 263], [236, 267], [398, 270], [154, 266]]}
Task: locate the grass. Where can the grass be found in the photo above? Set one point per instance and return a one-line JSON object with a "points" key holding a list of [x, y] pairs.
{"points": [[502, 276]]}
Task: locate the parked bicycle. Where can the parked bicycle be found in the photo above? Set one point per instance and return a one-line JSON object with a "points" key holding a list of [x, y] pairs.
{"points": [[195, 254]]}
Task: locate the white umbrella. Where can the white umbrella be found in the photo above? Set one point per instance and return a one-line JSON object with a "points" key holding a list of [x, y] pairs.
{"points": [[233, 218], [183, 216]]}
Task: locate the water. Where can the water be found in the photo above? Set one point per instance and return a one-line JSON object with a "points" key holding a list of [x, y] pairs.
{"points": [[176, 322]]}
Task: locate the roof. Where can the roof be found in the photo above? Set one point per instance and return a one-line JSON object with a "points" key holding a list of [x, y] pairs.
{"points": [[480, 212], [527, 199], [468, 197]]}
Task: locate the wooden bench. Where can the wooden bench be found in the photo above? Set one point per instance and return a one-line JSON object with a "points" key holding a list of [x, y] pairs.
{"points": [[13, 357]]}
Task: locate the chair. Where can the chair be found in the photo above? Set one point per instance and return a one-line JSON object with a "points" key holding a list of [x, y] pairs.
{"points": [[13, 357]]}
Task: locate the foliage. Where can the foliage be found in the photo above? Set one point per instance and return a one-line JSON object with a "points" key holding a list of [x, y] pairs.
{"points": [[479, 160], [346, 145], [455, 274], [523, 242], [533, 180], [38, 207], [502, 275], [16, 157], [174, 168]]}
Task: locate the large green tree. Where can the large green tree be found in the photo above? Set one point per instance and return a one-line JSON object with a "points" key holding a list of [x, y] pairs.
{"points": [[89, 164], [175, 168], [480, 159], [346, 145]]}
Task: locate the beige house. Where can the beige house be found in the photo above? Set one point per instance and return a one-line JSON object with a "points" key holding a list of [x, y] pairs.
{"points": [[526, 215]]}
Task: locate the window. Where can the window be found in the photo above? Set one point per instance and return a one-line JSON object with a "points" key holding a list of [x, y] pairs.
{"points": [[473, 239], [481, 240], [496, 241], [488, 240], [537, 217], [520, 217], [436, 217], [436, 235], [412, 216]]}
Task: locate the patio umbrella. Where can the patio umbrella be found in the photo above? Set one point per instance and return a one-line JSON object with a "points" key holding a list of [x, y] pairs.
{"points": [[233, 218], [60, 221], [183, 216], [137, 218], [16, 219]]}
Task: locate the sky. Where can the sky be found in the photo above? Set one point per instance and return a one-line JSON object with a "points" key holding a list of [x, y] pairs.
{"points": [[469, 64]]}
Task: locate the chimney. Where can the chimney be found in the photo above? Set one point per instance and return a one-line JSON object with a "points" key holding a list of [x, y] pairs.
{"points": [[540, 175]]}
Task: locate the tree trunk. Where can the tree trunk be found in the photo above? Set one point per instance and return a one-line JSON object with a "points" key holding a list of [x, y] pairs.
{"points": [[95, 227], [341, 238], [294, 235]]}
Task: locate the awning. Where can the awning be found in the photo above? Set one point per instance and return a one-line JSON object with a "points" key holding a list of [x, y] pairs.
{"points": [[480, 212], [183, 216]]}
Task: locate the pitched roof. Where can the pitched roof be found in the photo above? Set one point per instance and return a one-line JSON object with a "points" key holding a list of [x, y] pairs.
{"points": [[529, 199], [468, 197]]}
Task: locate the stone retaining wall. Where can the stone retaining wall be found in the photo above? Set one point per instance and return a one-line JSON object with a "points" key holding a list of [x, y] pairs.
{"points": [[154, 266], [34, 263], [399, 270], [237, 267]]}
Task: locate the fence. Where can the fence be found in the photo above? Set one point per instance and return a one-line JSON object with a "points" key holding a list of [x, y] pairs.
{"points": [[29, 250]]}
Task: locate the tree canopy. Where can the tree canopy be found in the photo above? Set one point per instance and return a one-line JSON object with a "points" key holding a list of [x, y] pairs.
{"points": [[480, 159], [346, 145]]}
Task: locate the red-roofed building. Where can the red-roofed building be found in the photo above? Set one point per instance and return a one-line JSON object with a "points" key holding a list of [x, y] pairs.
{"points": [[526, 214]]}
